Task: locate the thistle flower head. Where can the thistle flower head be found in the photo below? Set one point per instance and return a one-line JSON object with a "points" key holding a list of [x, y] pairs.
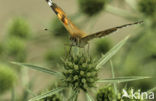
{"points": [[15, 48], [19, 28], [7, 78], [92, 7], [106, 94], [103, 46], [147, 7], [80, 72]]}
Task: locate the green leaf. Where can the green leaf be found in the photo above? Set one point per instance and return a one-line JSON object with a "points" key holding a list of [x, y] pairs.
{"points": [[50, 93], [38, 68], [89, 98], [122, 79], [30, 92], [73, 96], [111, 53], [13, 96], [151, 90], [113, 76]]}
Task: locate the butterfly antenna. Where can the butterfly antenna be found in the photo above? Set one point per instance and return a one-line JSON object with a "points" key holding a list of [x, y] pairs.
{"points": [[126, 25]]}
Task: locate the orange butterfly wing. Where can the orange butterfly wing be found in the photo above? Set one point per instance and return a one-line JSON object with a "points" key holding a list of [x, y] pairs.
{"points": [[72, 29], [77, 33]]}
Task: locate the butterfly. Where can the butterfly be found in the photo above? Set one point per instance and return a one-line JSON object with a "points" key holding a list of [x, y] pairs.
{"points": [[78, 37]]}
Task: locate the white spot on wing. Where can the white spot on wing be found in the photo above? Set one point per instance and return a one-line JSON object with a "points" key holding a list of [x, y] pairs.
{"points": [[50, 3]]}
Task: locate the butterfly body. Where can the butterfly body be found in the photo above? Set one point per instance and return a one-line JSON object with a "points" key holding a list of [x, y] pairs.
{"points": [[78, 37]]}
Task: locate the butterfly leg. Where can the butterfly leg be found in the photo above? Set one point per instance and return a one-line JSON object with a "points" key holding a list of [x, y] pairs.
{"points": [[65, 51], [70, 49], [78, 42], [69, 53]]}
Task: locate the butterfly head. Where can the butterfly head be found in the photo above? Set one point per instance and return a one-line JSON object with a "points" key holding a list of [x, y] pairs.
{"points": [[74, 41]]}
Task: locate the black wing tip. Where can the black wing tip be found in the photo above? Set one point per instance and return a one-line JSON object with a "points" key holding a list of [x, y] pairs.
{"points": [[139, 22], [49, 1]]}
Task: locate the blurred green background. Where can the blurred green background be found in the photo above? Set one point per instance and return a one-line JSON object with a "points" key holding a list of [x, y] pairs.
{"points": [[23, 39]]}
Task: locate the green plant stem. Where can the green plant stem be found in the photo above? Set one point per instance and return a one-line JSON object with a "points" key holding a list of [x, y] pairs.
{"points": [[24, 75], [30, 92], [73, 96], [113, 75], [122, 79], [132, 4], [13, 96], [89, 98]]}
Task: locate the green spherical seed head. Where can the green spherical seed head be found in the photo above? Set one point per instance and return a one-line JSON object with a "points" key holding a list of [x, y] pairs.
{"points": [[76, 67], [81, 77], [147, 7], [69, 79], [106, 94], [93, 73], [103, 46], [7, 78], [91, 80], [90, 66], [91, 7], [65, 72], [85, 86], [84, 65], [76, 77], [70, 64], [81, 73], [16, 49], [70, 71], [88, 74], [83, 80], [19, 28], [76, 84]]}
